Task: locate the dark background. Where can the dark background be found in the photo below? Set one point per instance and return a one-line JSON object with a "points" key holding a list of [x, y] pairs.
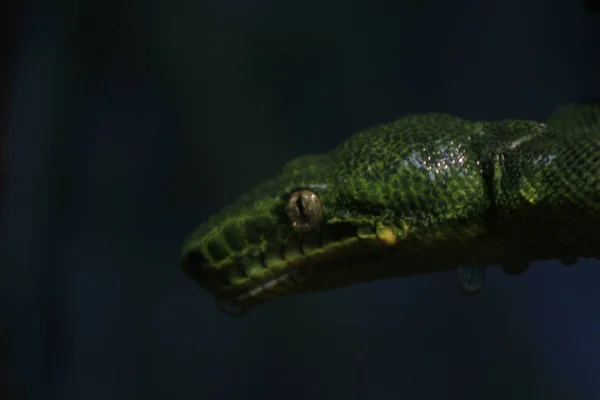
{"points": [[131, 122]]}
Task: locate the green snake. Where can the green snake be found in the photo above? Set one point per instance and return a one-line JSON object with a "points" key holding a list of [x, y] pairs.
{"points": [[422, 194]]}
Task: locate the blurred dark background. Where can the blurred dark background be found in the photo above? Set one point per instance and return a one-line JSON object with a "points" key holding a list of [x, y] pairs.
{"points": [[130, 122]]}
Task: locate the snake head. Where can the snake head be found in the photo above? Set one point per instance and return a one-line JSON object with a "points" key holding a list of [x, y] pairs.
{"points": [[330, 220], [272, 240]]}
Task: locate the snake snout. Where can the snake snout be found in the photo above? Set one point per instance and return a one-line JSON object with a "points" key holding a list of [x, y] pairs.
{"points": [[195, 264]]}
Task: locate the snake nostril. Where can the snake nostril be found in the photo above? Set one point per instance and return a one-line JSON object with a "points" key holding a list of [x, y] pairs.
{"points": [[196, 266], [194, 260]]}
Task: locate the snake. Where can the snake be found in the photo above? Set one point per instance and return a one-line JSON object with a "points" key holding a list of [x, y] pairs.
{"points": [[425, 193]]}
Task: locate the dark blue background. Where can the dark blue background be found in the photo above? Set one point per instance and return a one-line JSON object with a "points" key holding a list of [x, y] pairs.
{"points": [[132, 122]]}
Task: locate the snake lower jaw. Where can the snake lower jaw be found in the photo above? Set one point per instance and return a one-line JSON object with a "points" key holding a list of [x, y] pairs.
{"points": [[278, 286], [294, 266]]}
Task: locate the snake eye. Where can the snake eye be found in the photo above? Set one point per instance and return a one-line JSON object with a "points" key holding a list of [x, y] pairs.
{"points": [[304, 210]]}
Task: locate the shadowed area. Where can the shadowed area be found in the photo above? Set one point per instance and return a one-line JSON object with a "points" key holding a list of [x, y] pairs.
{"points": [[132, 122]]}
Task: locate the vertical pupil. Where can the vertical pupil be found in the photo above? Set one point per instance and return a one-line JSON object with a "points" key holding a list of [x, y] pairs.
{"points": [[300, 205]]}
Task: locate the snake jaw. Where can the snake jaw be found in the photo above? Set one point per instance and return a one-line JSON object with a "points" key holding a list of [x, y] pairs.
{"points": [[296, 266]]}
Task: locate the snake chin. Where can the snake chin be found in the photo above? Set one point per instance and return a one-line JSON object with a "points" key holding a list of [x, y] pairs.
{"points": [[278, 286], [282, 282]]}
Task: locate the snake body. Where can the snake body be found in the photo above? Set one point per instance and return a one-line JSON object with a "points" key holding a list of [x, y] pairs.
{"points": [[421, 194]]}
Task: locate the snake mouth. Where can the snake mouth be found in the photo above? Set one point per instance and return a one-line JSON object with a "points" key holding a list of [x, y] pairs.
{"points": [[282, 284], [305, 262]]}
